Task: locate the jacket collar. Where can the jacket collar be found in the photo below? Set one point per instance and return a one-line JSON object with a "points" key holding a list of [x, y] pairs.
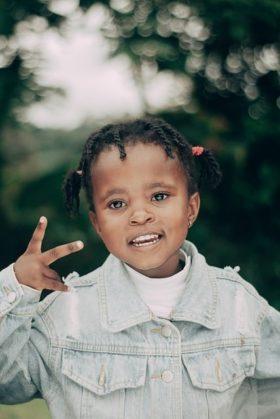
{"points": [[121, 307]]}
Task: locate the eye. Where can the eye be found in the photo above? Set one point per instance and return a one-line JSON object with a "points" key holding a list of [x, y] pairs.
{"points": [[115, 206], [161, 195]]}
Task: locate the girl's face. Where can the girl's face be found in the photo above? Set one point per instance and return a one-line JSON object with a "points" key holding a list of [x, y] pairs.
{"points": [[146, 193]]}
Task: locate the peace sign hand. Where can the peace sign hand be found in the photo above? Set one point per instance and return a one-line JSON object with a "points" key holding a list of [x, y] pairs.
{"points": [[32, 269]]}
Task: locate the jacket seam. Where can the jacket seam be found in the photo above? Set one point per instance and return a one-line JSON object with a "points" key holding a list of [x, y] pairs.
{"points": [[237, 280], [49, 361]]}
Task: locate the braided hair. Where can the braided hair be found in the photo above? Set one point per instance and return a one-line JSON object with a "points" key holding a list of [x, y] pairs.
{"points": [[146, 130]]}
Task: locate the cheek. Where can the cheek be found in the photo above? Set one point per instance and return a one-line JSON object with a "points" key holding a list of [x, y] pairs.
{"points": [[177, 213], [110, 226], [178, 220]]}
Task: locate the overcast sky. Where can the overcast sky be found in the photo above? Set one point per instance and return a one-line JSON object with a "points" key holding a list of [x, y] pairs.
{"points": [[95, 86]]}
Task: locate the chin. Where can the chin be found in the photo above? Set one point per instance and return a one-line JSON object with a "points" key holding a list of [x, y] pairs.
{"points": [[145, 266]]}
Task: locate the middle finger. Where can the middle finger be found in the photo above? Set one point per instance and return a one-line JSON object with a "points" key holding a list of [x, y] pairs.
{"points": [[61, 251]]}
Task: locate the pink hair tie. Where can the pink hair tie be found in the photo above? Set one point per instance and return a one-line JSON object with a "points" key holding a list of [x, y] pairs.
{"points": [[197, 151]]}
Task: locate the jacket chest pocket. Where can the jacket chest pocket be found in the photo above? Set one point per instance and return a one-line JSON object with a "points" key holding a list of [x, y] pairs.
{"points": [[221, 373], [106, 385]]}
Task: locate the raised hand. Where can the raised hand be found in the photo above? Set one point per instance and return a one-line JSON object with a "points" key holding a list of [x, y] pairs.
{"points": [[32, 267]]}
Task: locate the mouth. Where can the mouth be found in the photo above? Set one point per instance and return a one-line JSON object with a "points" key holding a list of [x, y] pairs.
{"points": [[147, 240]]}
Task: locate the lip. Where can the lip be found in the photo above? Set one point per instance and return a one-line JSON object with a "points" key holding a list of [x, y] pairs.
{"points": [[145, 233]]}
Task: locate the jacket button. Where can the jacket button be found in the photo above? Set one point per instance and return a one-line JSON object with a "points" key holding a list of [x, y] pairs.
{"points": [[167, 376], [11, 296], [166, 331]]}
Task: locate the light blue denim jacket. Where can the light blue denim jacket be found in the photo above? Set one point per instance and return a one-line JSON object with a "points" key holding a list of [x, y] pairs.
{"points": [[99, 352]]}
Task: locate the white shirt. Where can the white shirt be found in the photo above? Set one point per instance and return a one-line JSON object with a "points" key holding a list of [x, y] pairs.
{"points": [[161, 294]]}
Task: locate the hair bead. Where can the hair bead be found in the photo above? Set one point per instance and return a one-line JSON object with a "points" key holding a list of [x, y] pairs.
{"points": [[197, 150]]}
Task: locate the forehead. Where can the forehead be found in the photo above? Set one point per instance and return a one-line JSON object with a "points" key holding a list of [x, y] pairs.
{"points": [[143, 162]]}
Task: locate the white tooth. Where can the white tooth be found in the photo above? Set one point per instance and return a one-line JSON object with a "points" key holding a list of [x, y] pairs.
{"points": [[147, 237], [146, 244]]}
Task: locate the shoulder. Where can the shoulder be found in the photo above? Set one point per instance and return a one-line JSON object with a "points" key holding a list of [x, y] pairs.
{"points": [[239, 294], [74, 280], [77, 284], [231, 277], [64, 314]]}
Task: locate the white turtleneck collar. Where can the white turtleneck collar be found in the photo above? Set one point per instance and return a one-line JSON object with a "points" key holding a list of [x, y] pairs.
{"points": [[161, 294]]}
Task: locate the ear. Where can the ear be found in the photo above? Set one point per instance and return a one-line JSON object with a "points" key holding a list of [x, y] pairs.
{"points": [[193, 207], [94, 221]]}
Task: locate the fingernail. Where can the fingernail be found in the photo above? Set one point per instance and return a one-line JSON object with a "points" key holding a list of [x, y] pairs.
{"points": [[42, 220], [79, 244]]}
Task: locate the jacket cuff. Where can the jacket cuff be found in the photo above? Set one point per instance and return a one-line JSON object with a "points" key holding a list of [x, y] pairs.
{"points": [[14, 298]]}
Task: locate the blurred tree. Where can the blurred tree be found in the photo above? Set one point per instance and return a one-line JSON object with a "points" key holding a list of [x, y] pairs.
{"points": [[225, 56], [17, 84]]}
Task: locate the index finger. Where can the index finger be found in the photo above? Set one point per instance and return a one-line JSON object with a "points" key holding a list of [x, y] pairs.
{"points": [[35, 244], [58, 252]]}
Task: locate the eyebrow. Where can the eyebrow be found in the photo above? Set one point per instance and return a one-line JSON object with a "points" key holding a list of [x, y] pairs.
{"points": [[147, 186]]}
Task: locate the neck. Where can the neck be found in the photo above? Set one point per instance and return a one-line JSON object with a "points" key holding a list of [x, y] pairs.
{"points": [[171, 267]]}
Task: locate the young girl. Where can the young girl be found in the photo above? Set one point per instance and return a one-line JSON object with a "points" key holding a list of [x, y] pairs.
{"points": [[155, 332]]}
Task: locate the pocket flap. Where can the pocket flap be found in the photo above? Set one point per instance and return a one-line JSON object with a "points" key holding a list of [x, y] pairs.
{"points": [[220, 368], [103, 373]]}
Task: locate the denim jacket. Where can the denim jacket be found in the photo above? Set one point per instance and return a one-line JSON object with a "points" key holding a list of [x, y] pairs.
{"points": [[99, 352]]}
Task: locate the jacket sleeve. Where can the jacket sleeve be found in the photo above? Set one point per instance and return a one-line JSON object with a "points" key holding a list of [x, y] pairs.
{"points": [[267, 370], [19, 355]]}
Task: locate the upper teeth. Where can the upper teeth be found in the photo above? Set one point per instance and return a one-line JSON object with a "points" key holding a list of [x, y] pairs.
{"points": [[144, 238]]}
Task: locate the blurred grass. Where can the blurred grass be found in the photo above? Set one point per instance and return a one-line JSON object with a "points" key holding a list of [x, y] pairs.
{"points": [[36, 409]]}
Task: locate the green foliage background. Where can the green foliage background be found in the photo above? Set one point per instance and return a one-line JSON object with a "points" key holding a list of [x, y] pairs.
{"points": [[226, 49]]}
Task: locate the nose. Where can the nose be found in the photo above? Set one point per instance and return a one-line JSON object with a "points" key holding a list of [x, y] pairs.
{"points": [[141, 217]]}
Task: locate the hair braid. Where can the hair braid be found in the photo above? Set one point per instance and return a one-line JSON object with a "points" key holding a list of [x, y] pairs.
{"points": [[73, 181], [118, 142], [71, 187], [155, 125], [210, 174], [184, 151], [175, 135]]}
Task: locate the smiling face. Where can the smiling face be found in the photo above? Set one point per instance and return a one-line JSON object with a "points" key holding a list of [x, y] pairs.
{"points": [[146, 193]]}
